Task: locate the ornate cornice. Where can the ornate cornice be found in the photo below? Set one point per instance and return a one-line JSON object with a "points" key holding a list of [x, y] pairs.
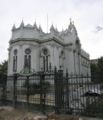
{"points": [[40, 41]]}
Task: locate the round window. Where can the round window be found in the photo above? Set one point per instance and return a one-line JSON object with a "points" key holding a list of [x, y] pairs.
{"points": [[15, 52], [28, 51], [45, 51]]}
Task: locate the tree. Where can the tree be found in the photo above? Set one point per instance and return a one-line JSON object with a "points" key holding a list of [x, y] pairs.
{"points": [[97, 71], [100, 66], [3, 67], [3, 71], [95, 108]]}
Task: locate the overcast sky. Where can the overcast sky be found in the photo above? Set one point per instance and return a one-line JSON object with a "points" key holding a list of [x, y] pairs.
{"points": [[86, 14]]}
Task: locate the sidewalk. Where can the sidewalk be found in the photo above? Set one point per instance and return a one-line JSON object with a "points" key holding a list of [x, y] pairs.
{"points": [[88, 118]]}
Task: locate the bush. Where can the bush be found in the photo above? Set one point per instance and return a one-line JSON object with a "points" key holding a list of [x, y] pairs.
{"points": [[95, 108]]}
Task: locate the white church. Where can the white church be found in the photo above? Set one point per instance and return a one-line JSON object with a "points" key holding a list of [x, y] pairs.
{"points": [[30, 47]]}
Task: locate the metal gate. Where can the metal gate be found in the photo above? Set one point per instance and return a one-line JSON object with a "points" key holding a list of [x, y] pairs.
{"points": [[3, 81]]}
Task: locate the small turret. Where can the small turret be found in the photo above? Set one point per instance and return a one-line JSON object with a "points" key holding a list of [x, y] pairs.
{"points": [[72, 27], [53, 30], [35, 25], [22, 24], [13, 28], [40, 29]]}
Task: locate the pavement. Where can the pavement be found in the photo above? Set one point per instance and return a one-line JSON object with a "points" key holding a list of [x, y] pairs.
{"points": [[9, 113]]}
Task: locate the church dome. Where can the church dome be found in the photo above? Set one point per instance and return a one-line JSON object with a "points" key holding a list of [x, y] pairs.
{"points": [[29, 26]]}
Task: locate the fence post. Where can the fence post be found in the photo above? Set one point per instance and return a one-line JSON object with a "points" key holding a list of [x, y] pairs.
{"points": [[4, 79], [59, 89], [55, 85], [67, 91], [14, 90], [42, 92], [28, 86]]}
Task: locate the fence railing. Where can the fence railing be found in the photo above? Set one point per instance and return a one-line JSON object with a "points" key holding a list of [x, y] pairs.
{"points": [[54, 91]]}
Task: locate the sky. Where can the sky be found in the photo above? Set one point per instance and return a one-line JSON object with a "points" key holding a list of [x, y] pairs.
{"points": [[86, 14]]}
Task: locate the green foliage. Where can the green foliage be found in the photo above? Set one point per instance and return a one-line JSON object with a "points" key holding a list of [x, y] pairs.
{"points": [[95, 108], [100, 66], [3, 72], [97, 71], [4, 67]]}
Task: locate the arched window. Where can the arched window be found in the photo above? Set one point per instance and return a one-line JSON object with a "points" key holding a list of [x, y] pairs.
{"points": [[15, 60], [45, 59], [27, 59], [61, 59]]}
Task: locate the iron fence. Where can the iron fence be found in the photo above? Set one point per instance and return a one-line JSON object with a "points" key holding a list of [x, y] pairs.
{"points": [[54, 91]]}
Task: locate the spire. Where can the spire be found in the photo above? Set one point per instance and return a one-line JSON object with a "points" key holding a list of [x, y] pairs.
{"points": [[52, 28], [35, 25], [40, 28], [70, 25], [74, 28], [22, 24], [13, 28], [70, 21], [56, 28]]}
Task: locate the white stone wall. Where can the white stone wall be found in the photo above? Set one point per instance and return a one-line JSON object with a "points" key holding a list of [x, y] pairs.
{"points": [[20, 57], [74, 58], [10, 63], [74, 62], [69, 60]]}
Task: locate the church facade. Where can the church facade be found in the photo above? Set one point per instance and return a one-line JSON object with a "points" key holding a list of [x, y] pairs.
{"points": [[31, 48]]}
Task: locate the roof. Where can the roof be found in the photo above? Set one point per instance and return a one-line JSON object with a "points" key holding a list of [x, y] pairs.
{"points": [[34, 32]]}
